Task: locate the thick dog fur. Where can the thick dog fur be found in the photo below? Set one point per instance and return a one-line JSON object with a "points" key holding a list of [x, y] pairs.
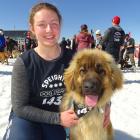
{"points": [[4, 57], [98, 68]]}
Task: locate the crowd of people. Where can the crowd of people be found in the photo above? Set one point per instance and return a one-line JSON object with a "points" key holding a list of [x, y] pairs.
{"points": [[114, 41], [35, 113], [9, 44]]}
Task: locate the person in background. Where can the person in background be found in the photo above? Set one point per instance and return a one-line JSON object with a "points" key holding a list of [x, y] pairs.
{"points": [[63, 43], [68, 43], [2, 41], [11, 45], [113, 38], [73, 44], [129, 45], [84, 38], [98, 39], [28, 41], [93, 44]]}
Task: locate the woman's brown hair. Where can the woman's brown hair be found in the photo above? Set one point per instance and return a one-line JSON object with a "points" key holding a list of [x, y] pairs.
{"points": [[40, 6]]}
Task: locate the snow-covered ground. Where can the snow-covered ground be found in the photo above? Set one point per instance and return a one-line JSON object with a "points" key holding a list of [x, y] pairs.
{"points": [[125, 109]]}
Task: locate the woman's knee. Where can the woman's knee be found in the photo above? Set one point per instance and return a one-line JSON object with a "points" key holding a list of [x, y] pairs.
{"points": [[20, 129]]}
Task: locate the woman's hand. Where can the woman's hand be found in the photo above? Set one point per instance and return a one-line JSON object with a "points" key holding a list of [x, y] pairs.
{"points": [[68, 118], [106, 116]]}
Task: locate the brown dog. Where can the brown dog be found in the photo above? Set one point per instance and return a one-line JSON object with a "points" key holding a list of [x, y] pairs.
{"points": [[4, 57], [91, 79]]}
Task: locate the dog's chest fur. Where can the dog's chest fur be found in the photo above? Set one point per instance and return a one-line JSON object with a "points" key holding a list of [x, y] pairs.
{"points": [[90, 127]]}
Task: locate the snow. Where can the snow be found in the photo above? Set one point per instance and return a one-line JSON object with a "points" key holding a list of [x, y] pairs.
{"points": [[125, 108]]}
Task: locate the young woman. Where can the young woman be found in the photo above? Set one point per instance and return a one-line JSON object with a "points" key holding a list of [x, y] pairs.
{"points": [[37, 82]]}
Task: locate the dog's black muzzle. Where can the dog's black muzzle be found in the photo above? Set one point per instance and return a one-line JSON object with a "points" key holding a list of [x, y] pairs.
{"points": [[91, 87]]}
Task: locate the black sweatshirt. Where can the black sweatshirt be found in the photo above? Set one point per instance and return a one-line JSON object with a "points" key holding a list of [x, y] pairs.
{"points": [[38, 86]]}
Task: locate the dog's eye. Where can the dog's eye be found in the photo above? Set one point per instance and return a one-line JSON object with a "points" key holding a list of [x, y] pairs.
{"points": [[100, 70], [82, 70]]}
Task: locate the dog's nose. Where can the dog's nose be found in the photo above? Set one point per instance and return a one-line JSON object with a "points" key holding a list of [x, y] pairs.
{"points": [[90, 86]]}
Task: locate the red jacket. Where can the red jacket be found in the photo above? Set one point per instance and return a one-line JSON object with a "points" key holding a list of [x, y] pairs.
{"points": [[84, 40]]}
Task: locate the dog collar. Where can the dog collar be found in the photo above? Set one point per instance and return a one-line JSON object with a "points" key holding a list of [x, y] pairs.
{"points": [[82, 110]]}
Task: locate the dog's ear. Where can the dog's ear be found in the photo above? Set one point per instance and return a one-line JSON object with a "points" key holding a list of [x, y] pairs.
{"points": [[69, 76], [117, 77]]}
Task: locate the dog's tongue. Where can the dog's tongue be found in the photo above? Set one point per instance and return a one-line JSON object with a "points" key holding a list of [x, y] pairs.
{"points": [[91, 100]]}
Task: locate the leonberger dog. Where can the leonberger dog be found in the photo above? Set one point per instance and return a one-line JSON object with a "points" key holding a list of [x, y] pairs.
{"points": [[91, 80]]}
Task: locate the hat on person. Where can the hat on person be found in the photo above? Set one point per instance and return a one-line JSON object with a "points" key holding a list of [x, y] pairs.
{"points": [[84, 27], [98, 32], [116, 20]]}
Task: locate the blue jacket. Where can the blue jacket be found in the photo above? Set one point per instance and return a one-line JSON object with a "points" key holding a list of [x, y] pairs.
{"points": [[2, 42]]}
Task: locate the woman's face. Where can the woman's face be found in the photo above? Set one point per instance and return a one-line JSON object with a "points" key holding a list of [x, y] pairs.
{"points": [[46, 27]]}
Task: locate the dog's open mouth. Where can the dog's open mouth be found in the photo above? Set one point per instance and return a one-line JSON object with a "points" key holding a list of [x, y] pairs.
{"points": [[91, 100], [91, 90]]}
